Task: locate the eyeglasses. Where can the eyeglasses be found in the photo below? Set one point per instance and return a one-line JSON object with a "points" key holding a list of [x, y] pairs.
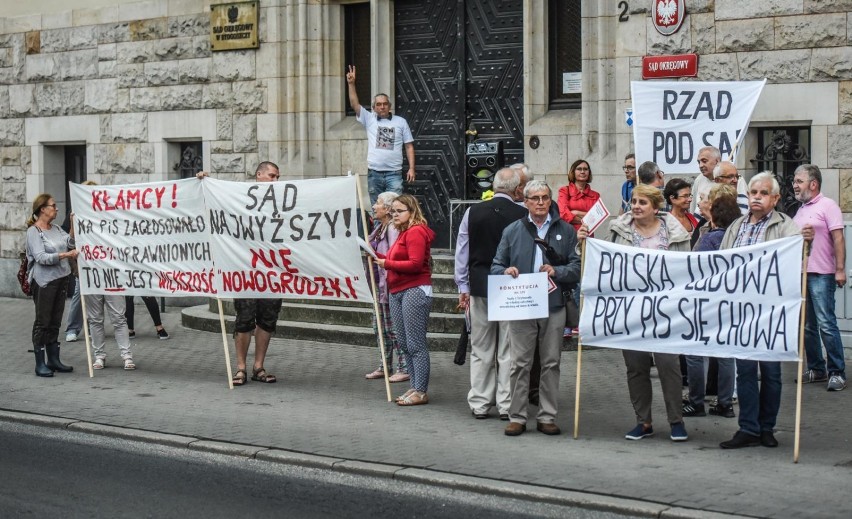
{"points": [[690, 195], [798, 182], [628, 168], [729, 177], [50, 205], [398, 211], [543, 199]]}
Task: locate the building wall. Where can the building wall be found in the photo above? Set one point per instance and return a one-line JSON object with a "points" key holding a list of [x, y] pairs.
{"points": [[129, 78]]}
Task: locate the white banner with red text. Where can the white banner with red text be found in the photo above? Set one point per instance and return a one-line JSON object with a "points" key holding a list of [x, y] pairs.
{"points": [[672, 120], [742, 302], [292, 239]]}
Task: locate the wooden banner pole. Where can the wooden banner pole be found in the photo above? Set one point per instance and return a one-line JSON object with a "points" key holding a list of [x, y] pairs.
{"points": [[86, 334], [225, 344], [579, 347], [796, 436], [376, 313]]}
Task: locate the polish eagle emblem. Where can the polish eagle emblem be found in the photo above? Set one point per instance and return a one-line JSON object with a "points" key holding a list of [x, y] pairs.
{"points": [[668, 15]]}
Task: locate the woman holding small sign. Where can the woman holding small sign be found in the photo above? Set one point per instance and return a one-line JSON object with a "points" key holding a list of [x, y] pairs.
{"points": [[48, 250], [408, 265], [645, 228]]}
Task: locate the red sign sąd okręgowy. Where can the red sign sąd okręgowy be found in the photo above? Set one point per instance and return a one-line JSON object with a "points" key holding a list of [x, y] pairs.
{"points": [[680, 65]]}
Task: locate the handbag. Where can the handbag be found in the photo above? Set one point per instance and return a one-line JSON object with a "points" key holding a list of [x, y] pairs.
{"points": [[23, 276], [572, 312]]}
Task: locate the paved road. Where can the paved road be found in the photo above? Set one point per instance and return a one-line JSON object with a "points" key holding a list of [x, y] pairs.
{"points": [[322, 405], [59, 473]]}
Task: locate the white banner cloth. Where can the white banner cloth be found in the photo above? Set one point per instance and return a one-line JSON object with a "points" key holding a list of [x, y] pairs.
{"points": [[142, 239], [672, 120], [741, 302], [289, 239]]}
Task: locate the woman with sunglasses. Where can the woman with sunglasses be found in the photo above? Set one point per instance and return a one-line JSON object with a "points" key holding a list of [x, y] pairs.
{"points": [[48, 250], [409, 274]]}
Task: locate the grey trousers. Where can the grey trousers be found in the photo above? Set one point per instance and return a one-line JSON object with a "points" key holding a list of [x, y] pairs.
{"points": [[490, 361], [95, 314], [522, 341], [639, 383]]}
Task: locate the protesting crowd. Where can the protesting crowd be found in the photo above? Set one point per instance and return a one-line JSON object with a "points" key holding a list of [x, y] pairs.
{"points": [[523, 229]]}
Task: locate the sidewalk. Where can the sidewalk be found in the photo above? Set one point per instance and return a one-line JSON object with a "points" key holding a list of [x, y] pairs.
{"points": [[322, 405]]}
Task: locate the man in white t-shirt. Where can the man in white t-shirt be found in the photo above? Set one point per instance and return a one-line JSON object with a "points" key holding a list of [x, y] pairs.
{"points": [[387, 134]]}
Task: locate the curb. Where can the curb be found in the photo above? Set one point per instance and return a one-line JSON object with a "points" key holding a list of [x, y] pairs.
{"points": [[491, 487]]}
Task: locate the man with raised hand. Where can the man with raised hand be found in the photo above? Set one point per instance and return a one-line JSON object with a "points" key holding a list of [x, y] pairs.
{"points": [[387, 134]]}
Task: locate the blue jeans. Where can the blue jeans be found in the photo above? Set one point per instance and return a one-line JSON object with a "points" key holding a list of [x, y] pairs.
{"points": [[697, 375], [380, 181], [75, 311], [759, 401], [821, 323]]}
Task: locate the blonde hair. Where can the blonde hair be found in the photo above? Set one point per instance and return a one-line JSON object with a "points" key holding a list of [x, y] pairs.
{"points": [[413, 206], [651, 193], [721, 190], [39, 203]]}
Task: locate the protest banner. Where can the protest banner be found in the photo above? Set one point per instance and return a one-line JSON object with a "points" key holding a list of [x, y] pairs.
{"points": [[147, 239], [290, 239], [742, 303], [672, 120]]}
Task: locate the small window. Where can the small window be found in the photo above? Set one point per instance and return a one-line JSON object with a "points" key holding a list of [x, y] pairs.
{"points": [[190, 161], [565, 51], [357, 52]]}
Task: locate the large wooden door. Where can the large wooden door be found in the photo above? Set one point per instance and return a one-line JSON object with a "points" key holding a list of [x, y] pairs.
{"points": [[458, 67]]}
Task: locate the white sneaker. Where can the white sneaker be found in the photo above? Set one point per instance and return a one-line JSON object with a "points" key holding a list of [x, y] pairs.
{"points": [[836, 383], [99, 364], [70, 337]]}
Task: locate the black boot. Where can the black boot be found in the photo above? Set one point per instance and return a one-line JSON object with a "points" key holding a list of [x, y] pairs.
{"points": [[41, 370], [53, 361]]}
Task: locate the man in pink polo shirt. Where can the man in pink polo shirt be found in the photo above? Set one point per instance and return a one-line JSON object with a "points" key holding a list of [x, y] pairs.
{"points": [[826, 272]]}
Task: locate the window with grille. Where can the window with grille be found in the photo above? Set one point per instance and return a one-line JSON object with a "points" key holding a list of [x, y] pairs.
{"points": [[190, 161], [565, 49], [357, 41]]}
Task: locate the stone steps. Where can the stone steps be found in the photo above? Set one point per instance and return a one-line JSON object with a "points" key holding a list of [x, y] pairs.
{"points": [[346, 321], [201, 318]]}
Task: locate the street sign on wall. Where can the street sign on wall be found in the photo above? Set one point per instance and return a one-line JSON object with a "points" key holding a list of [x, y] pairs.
{"points": [[681, 65]]}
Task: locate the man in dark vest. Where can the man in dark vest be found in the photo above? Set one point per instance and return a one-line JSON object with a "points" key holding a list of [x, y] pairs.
{"points": [[479, 234]]}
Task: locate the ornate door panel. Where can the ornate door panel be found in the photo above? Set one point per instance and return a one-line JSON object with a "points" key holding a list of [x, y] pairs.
{"points": [[458, 63]]}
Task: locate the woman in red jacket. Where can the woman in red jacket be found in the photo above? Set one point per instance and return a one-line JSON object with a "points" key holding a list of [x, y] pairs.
{"points": [[408, 265], [577, 197]]}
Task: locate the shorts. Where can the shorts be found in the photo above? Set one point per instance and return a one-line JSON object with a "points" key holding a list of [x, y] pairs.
{"points": [[262, 313]]}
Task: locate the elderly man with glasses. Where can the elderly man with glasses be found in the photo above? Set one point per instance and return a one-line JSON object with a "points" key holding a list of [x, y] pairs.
{"points": [[726, 173], [539, 242]]}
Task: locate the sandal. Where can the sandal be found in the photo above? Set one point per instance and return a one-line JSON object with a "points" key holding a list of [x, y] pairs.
{"points": [[239, 378], [261, 375], [403, 396], [399, 377], [129, 365], [415, 398]]}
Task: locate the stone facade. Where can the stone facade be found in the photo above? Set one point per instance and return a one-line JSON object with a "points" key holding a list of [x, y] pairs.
{"points": [[130, 79]]}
